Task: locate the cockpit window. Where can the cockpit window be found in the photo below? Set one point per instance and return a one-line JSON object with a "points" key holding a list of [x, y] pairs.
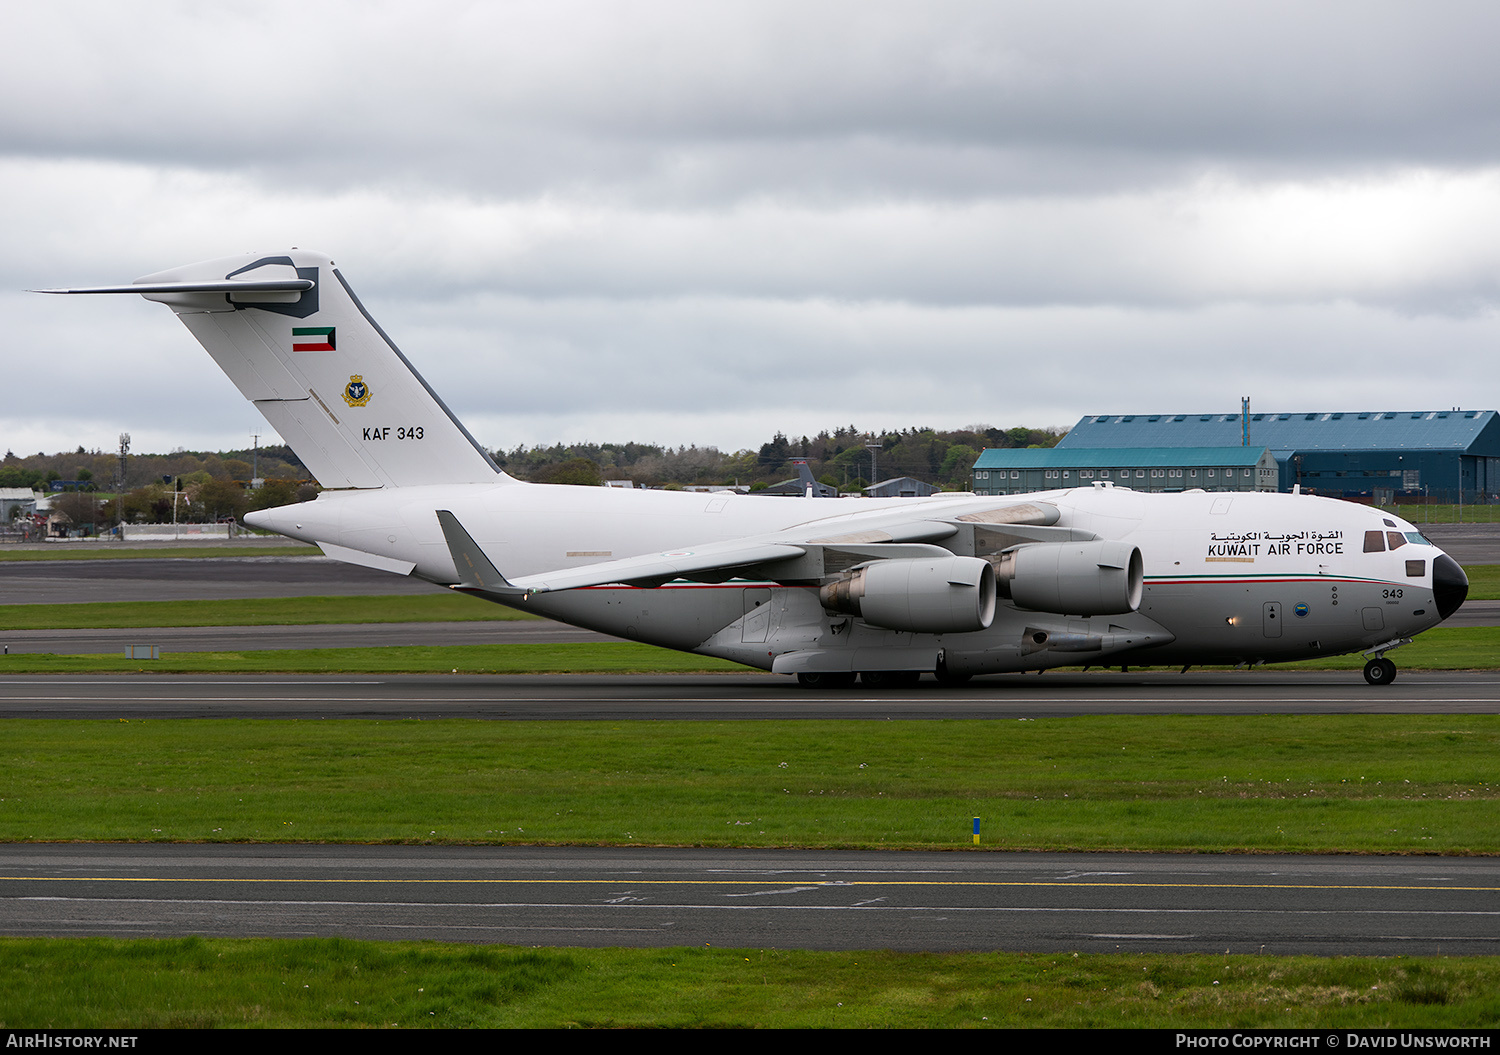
{"points": [[1374, 541], [1416, 537], [1396, 539]]}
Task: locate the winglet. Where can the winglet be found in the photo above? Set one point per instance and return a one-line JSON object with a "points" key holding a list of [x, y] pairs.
{"points": [[474, 568]]}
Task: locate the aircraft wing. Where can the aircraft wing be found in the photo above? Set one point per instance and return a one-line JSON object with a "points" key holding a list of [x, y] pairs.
{"points": [[801, 553], [478, 575], [655, 568]]}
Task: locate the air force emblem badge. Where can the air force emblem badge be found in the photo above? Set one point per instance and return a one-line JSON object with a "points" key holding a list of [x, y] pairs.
{"points": [[356, 392]]}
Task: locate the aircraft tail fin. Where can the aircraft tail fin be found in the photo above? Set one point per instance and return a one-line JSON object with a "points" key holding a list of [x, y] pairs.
{"points": [[296, 341]]}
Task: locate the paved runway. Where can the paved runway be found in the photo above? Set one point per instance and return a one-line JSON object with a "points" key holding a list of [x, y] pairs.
{"points": [[1465, 543], [194, 578], [1379, 906], [324, 635], [717, 697]]}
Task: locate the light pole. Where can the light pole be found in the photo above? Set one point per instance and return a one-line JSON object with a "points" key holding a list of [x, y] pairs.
{"points": [[120, 487]]}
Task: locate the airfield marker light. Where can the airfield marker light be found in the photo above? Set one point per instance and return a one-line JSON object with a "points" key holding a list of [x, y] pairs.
{"points": [[976, 831]]}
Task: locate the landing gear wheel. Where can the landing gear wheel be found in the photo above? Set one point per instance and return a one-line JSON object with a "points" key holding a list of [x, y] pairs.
{"points": [[825, 680], [889, 679], [1380, 672], [946, 677]]}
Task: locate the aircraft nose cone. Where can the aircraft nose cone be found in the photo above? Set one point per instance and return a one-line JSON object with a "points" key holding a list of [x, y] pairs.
{"points": [[1449, 585]]}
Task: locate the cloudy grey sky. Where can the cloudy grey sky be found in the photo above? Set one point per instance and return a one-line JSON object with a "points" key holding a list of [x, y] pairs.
{"points": [[699, 223]]}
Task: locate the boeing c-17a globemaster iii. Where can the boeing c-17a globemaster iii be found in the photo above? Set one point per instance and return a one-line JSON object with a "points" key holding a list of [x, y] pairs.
{"points": [[828, 589]]}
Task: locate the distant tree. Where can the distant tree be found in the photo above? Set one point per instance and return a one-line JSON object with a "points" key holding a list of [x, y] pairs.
{"points": [[580, 472], [19, 476], [218, 499], [773, 455], [282, 453], [270, 494], [78, 506], [957, 464], [149, 504]]}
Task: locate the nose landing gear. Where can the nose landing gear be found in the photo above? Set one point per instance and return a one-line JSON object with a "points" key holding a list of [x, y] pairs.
{"points": [[1378, 669]]}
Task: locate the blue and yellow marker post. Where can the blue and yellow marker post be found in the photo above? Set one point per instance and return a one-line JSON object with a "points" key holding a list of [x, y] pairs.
{"points": [[976, 831]]}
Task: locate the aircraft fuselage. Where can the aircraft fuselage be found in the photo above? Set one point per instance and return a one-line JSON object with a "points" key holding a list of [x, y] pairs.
{"points": [[1227, 577]]}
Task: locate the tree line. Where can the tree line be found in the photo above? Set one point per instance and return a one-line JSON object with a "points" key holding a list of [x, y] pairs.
{"points": [[844, 458], [96, 469], [209, 486]]}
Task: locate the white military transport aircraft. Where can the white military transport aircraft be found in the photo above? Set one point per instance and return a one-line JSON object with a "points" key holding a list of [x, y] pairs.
{"points": [[824, 588]]}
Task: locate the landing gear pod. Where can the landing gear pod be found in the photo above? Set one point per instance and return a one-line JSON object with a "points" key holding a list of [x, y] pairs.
{"points": [[1075, 578], [940, 595]]}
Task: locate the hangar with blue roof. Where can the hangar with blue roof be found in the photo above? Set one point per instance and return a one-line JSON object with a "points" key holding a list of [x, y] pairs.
{"points": [[1437, 453], [1001, 471]]}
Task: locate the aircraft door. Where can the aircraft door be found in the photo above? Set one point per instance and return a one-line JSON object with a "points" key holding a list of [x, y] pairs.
{"points": [[1374, 618], [757, 622], [1270, 618]]}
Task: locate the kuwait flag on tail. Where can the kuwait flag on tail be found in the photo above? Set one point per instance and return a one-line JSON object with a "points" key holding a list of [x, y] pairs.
{"points": [[312, 338]]}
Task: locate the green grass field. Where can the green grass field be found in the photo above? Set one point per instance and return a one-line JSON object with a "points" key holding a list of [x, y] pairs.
{"points": [[436, 607], [193, 982], [1450, 513], [1484, 582], [1275, 783]]}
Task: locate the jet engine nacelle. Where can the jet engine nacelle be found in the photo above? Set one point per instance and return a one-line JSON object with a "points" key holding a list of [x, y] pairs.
{"points": [[1072, 578], [937, 595]]}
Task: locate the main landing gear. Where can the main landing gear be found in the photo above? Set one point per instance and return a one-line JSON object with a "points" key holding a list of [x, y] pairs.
{"points": [[838, 680], [870, 679], [889, 679]]}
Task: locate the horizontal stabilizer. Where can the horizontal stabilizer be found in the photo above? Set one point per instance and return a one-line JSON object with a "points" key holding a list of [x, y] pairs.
{"points": [[366, 560], [283, 285]]}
